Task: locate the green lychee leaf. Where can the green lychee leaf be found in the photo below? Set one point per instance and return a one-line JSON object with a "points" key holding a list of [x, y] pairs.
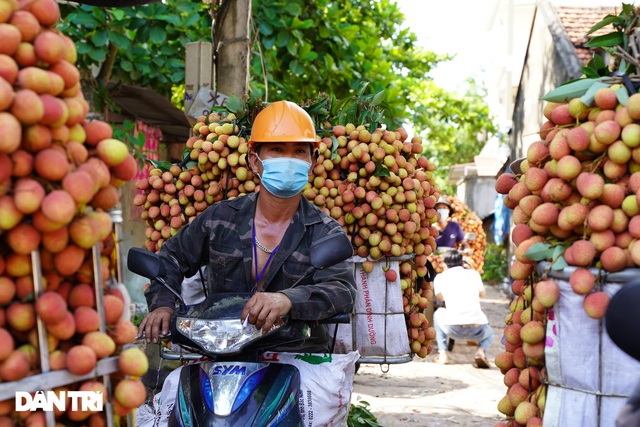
{"points": [[265, 28], [376, 122], [381, 170], [622, 95], [590, 73], [606, 40], [609, 19], [569, 90], [234, 104], [377, 98], [557, 251], [589, 96], [539, 251], [559, 263], [362, 88], [99, 38], [317, 107], [163, 165], [334, 147], [599, 67]]}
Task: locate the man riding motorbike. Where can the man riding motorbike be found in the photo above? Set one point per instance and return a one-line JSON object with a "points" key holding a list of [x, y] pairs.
{"points": [[261, 242]]}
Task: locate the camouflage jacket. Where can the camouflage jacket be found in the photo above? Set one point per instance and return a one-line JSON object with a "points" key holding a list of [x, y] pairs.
{"points": [[221, 239]]}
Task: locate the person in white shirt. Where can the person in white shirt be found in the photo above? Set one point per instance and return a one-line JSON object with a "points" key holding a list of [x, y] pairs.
{"points": [[462, 318]]}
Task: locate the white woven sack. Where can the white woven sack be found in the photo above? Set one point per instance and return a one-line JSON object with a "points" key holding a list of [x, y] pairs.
{"points": [[380, 324], [326, 382]]}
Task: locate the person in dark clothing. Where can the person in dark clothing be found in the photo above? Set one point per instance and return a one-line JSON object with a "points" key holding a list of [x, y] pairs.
{"points": [[261, 242], [450, 231]]}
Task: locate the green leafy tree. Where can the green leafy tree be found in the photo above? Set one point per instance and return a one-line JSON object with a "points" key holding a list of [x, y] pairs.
{"points": [[456, 125], [335, 47], [142, 45], [301, 50], [332, 47]]}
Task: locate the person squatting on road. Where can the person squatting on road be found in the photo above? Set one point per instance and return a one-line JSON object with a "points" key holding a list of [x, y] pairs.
{"points": [[462, 318], [261, 242]]}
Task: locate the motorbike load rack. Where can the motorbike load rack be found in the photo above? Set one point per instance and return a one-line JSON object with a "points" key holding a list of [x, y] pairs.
{"points": [[583, 365], [378, 328]]}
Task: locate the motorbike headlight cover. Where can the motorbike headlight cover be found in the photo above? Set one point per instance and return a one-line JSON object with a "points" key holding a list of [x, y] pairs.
{"points": [[218, 336]]}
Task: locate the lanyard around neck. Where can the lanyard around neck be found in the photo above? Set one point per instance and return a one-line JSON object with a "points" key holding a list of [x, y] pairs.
{"points": [[255, 259]]}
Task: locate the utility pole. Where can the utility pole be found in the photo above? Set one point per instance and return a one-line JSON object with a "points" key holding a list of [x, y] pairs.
{"points": [[231, 46]]}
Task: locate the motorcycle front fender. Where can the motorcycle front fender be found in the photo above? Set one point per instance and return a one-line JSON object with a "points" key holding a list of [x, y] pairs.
{"points": [[237, 394]]}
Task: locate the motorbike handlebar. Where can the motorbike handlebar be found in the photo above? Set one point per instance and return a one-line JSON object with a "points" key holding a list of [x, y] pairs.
{"points": [[338, 318]]}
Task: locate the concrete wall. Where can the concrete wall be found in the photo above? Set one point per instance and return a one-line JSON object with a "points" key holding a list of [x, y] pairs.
{"points": [[479, 193], [550, 61]]}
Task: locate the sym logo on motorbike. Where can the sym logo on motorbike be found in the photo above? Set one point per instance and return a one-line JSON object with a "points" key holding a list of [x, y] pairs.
{"points": [[230, 370]]}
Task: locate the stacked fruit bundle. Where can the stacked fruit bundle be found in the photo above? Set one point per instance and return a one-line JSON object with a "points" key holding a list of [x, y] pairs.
{"points": [[218, 170], [574, 203], [373, 184], [58, 176], [470, 223]]}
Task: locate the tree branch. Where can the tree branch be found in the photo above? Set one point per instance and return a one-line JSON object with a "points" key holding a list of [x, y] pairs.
{"points": [[107, 66]]}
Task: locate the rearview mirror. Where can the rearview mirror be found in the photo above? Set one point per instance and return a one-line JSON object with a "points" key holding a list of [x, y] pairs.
{"points": [[622, 317], [146, 264], [330, 250]]}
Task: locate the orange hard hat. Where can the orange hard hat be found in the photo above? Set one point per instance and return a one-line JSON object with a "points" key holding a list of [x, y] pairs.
{"points": [[283, 121]]}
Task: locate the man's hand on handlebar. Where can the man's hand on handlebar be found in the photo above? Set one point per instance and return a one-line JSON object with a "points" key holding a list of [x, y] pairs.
{"points": [[155, 323], [264, 309]]}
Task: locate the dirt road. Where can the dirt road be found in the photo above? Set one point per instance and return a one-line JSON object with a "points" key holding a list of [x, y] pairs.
{"points": [[426, 394]]}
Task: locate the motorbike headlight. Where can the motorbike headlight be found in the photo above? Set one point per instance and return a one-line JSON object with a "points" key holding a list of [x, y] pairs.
{"points": [[218, 336]]}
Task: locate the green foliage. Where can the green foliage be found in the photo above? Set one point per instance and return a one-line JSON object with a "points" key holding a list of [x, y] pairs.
{"points": [[337, 48], [495, 263], [334, 47], [361, 108], [545, 251], [142, 45], [360, 416], [572, 89], [623, 25], [456, 125], [177, 96]]}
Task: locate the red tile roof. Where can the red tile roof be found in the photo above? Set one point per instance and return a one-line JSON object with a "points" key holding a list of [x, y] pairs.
{"points": [[578, 21]]}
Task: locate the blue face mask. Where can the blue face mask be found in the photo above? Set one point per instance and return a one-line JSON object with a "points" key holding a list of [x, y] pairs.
{"points": [[284, 176]]}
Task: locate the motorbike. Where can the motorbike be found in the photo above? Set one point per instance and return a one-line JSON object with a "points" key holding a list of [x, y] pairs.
{"points": [[229, 385]]}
